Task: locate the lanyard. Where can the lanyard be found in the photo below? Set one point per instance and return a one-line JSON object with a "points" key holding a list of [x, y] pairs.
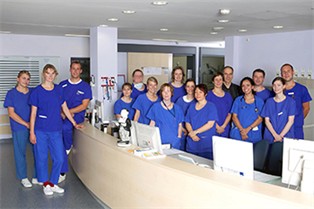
{"points": [[172, 113]]}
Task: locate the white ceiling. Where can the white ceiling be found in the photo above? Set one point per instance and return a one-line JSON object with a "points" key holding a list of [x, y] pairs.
{"points": [[187, 20]]}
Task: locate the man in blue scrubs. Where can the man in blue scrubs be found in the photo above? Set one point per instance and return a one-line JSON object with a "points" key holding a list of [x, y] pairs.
{"points": [[301, 96], [77, 95], [258, 77]]}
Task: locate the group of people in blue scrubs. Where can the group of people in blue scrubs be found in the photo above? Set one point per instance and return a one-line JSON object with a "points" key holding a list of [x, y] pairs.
{"points": [[248, 112], [46, 116]]}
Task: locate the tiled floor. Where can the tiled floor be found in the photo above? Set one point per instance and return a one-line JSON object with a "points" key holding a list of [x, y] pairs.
{"points": [[14, 195]]}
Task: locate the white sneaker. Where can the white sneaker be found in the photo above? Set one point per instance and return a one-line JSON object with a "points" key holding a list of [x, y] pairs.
{"points": [[35, 181], [47, 190], [61, 178], [25, 182], [57, 189]]}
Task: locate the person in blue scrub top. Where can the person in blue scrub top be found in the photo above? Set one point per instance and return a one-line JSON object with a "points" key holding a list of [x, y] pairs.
{"points": [[223, 101], [177, 77], [16, 101], [279, 113], [46, 102], [138, 87], [246, 109], [260, 90], [168, 117], [144, 101], [184, 102], [200, 123], [125, 102], [77, 94], [301, 96]]}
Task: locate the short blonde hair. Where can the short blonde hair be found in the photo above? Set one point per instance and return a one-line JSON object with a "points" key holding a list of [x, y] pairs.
{"points": [[152, 79], [49, 66]]}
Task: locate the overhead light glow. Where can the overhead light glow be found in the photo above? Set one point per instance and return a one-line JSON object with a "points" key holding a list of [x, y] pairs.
{"points": [[128, 11], [213, 33], [277, 26], [223, 21], [5, 32], [163, 29], [218, 28], [242, 30], [113, 19], [159, 3], [224, 11]]}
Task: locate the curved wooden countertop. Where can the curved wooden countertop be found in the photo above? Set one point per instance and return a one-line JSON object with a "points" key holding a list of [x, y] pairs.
{"points": [[122, 180]]}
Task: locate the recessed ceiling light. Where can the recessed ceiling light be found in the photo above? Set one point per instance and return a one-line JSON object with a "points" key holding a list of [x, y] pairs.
{"points": [[242, 30], [218, 28], [224, 11], [213, 33], [76, 35], [103, 26], [113, 19], [159, 3], [128, 11], [223, 21], [5, 32], [163, 29], [277, 26]]}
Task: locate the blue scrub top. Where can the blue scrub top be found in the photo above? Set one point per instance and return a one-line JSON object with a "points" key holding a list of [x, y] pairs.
{"points": [[301, 95], [223, 105], [278, 114], [183, 104], [135, 92], [74, 94], [168, 122], [143, 104], [264, 95], [247, 114], [48, 105], [19, 101], [197, 119], [120, 104], [177, 92]]}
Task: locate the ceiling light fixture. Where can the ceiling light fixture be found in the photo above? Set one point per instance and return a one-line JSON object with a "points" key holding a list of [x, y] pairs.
{"points": [[277, 26], [242, 30], [128, 11], [223, 21], [113, 19], [218, 28], [163, 29], [224, 11], [76, 35], [213, 33], [5, 32], [159, 3]]}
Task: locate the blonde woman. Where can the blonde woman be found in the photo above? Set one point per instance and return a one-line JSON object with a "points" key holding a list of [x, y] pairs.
{"points": [[46, 128], [144, 101], [16, 101]]}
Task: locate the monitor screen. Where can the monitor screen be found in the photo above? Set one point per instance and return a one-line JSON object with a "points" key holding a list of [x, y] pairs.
{"points": [[148, 136], [296, 153], [233, 156]]}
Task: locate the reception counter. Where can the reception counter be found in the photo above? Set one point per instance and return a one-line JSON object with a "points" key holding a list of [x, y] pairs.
{"points": [[122, 180]]}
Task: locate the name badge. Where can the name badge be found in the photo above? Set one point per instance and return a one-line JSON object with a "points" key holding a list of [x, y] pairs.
{"points": [[255, 128], [280, 113]]}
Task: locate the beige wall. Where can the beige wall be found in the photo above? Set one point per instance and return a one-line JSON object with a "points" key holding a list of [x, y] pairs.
{"points": [[145, 60]]}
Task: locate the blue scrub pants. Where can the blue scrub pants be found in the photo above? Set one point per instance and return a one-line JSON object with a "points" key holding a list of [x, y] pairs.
{"points": [[48, 142], [20, 142], [67, 132]]}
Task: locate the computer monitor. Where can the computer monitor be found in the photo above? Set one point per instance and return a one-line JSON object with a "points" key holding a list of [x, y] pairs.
{"points": [[233, 156], [298, 162], [148, 136]]}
